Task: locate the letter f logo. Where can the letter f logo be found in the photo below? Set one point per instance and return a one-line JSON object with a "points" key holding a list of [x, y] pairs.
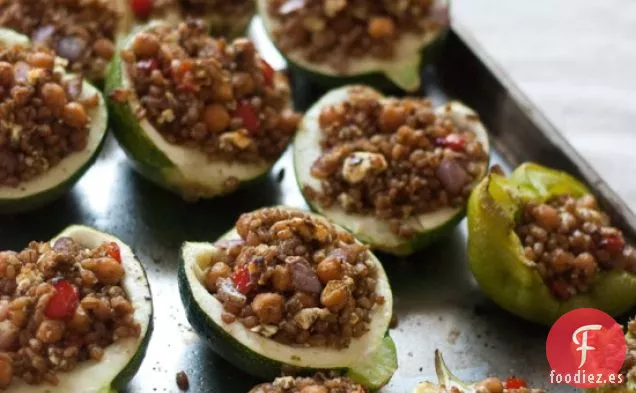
{"points": [[584, 348]]}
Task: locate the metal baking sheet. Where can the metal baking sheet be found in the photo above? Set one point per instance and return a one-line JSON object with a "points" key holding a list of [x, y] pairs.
{"points": [[437, 301]]}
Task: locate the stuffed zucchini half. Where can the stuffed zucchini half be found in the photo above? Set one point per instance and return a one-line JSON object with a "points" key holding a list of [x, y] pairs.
{"points": [[300, 295], [539, 245], [448, 382], [343, 43], [74, 130], [395, 172], [198, 123], [108, 357], [84, 33], [224, 18], [317, 384]]}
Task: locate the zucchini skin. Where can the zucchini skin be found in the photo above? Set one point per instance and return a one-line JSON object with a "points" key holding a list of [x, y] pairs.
{"points": [[220, 341], [378, 79]]}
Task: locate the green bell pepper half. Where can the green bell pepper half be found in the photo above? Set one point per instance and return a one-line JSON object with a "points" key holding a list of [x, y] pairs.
{"points": [[497, 258]]}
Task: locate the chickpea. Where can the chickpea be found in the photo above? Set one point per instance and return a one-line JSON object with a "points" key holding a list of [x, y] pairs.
{"points": [[269, 307], [100, 309], [305, 300], [243, 84], [54, 96], [6, 74], [629, 259], [335, 296], [21, 94], [145, 45], [214, 272], [281, 279], [492, 385], [404, 134], [588, 201], [567, 222], [6, 371], [107, 270], [88, 278], [245, 47], [121, 306], [392, 118], [546, 216], [74, 115], [104, 48], [586, 262], [223, 92], [80, 322], [216, 118], [289, 121], [329, 269], [381, 27], [314, 389], [562, 260], [50, 331], [95, 352], [330, 115], [41, 60]]}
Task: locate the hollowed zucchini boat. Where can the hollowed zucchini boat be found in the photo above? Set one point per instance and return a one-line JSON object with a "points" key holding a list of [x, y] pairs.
{"points": [[370, 360], [317, 384], [73, 40], [497, 257], [122, 359], [368, 228], [186, 171], [412, 52], [220, 24], [53, 183], [448, 382]]}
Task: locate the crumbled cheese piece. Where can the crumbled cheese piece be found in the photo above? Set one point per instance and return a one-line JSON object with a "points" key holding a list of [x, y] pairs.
{"points": [[284, 383], [27, 278], [237, 138], [16, 131], [167, 116], [321, 233], [34, 75], [360, 164], [305, 318], [265, 330]]}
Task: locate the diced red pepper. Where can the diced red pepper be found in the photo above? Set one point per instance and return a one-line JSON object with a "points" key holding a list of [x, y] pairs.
{"points": [[64, 302], [452, 141], [142, 8], [185, 66], [268, 72], [515, 383], [113, 251], [242, 279], [613, 243], [250, 120], [148, 65], [182, 74], [181, 67], [187, 84]]}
